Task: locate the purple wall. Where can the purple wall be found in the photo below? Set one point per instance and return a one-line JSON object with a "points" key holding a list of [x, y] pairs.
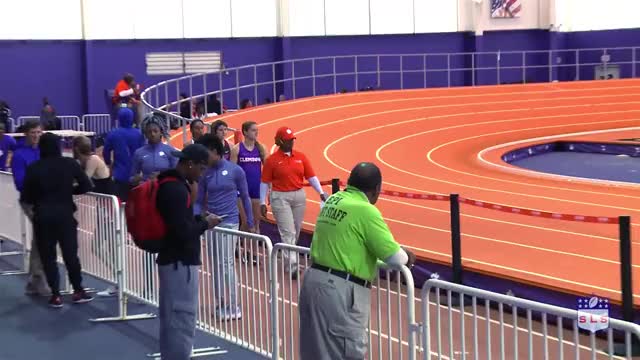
{"points": [[75, 74], [108, 60], [30, 70]]}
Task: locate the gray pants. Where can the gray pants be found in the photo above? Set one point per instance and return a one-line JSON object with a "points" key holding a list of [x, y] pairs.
{"points": [[37, 281], [178, 309], [334, 314], [224, 269], [288, 210]]}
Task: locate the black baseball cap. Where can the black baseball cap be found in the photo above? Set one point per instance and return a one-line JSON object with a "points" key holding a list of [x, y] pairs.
{"points": [[194, 152]]}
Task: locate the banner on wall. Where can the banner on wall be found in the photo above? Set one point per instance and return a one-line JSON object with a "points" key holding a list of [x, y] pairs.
{"points": [[506, 9]]}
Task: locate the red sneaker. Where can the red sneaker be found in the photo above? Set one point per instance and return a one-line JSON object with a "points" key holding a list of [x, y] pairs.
{"points": [[55, 301], [81, 297]]}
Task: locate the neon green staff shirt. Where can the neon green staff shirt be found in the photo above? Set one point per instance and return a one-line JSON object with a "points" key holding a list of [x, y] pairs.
{"points": [[350, 235]]}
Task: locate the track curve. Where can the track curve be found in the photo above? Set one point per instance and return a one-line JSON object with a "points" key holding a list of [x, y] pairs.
{"points": [[429, 141]]}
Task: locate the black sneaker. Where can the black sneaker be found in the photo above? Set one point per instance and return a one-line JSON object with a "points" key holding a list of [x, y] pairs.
{"points": [[55, 301], [81, 297]]}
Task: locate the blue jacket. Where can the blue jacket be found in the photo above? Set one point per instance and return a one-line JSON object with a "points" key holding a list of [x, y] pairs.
{"points": [[218, 193], [153, 158], [122, 143], [22, 158]]}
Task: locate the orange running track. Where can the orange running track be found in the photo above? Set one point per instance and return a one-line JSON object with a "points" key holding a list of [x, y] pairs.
{"points": [[442, 141]]}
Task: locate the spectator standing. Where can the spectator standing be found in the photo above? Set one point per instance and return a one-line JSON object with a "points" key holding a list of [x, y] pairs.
{"points": [[24, 155], [5, 113], [214, 105], [218, 192], [119, 147], [50, 199], [179, 260], [219, 128], [250, 155], [335, 299], [127, 94], [197, 130], [126, 91], [7, 147], [48, 117], [185, 107], [284, 172], [95, 168], [155, 157]]}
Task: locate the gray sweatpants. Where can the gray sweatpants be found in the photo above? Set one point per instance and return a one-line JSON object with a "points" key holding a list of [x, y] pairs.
{"points": [[178, 309], [224, 274], [288, 210], [334, 314]]}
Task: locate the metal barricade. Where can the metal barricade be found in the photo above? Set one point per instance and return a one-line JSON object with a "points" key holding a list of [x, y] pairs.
{"points": [[391, 324], [98, 218], [23, 119], [234, 292], [11, 123], [67, 122], [478, 324], [71, 122], [14, 225], [234, 288], [98, 123]]}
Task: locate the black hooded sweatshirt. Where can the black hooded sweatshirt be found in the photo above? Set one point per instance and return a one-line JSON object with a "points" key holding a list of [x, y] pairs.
{"points": [[51, 182]]}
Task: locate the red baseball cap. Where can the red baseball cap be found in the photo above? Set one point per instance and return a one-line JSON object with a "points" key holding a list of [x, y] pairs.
{"points": [[285, 133]]}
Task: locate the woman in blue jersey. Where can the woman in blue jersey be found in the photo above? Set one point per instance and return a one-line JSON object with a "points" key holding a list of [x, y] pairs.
{"points": [[155, 156], [249, 154], [218, 191]]}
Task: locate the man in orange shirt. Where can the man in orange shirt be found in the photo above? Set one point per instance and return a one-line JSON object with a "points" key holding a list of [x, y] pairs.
{"points": [[126, 94], [284, 172]]}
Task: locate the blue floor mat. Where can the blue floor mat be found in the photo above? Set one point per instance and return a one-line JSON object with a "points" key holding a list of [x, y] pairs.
{"points": [[30, 330]]}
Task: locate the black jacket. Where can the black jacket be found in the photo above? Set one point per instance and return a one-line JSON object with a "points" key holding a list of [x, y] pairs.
{"points": [[51, 182], [183, 228]]}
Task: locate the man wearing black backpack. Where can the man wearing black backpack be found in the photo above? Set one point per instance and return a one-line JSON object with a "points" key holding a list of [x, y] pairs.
{"points": [[179, 257]]}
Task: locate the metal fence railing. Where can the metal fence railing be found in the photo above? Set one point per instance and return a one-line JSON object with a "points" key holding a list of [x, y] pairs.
{"points": [[13, 232], [247, 297], [67, 122], [98, 123], [462, 322], [391, 324]]}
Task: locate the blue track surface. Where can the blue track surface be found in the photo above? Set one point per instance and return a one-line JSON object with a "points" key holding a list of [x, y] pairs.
{"points": [[586, 165]]}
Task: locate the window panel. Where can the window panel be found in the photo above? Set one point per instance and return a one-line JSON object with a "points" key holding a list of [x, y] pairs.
{"points": [[157, 19], [347, 17], [207, 18], [306, 18], [254, 18], [106, 20], [40, 20], [437, 16], [392, 17]]}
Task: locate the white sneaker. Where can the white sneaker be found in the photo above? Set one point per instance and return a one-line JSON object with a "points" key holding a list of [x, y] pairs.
{"points": [[108, 292], [232, 313]]}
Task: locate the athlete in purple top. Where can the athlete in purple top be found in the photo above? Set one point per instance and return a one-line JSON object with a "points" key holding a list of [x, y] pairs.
{"points": [[250, 155]]}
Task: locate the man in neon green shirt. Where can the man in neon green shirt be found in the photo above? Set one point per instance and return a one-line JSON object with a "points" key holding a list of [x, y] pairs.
{"points": [[349, 239]]}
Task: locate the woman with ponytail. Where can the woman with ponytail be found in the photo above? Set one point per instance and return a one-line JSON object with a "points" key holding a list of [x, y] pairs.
{"points": [[250, 155]]}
